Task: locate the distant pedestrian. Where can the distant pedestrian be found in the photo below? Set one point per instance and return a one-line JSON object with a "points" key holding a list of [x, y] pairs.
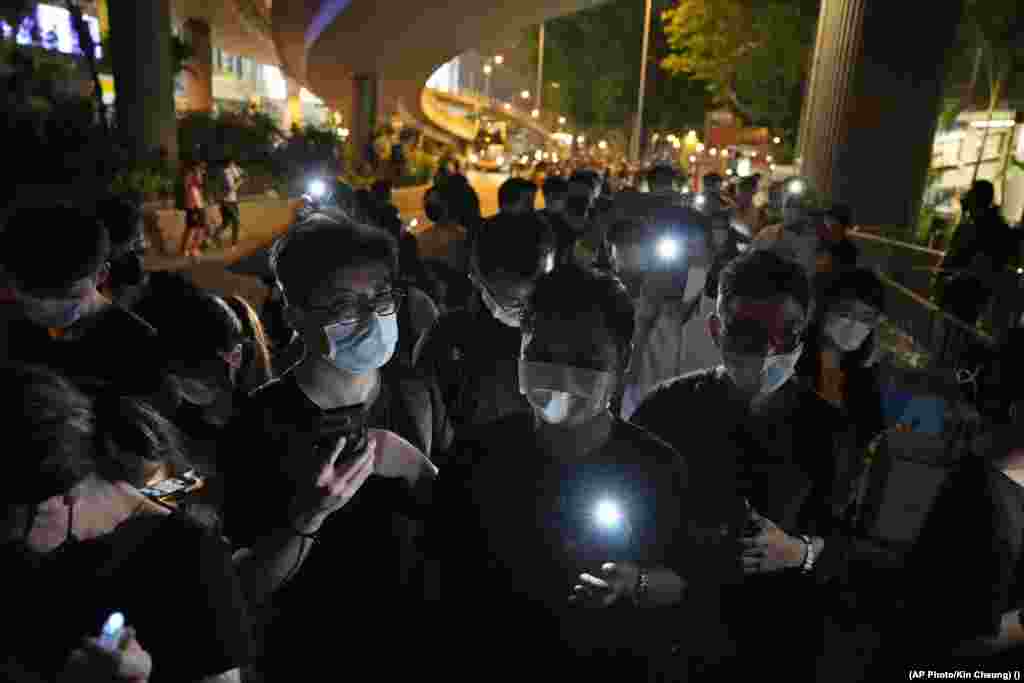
{"points": [[195, 211], [230, 216]]}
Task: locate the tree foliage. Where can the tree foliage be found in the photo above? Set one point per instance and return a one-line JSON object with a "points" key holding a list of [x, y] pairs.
{"points": [[754, 55], [594, 56]]}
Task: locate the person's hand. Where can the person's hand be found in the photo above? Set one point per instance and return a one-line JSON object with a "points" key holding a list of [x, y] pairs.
{"points": [[332, 484], [770, 549], [618, 580], [93, 663], [397, 458]]}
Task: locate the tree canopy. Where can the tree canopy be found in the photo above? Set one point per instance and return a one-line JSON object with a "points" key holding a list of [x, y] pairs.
{"points": [[594, 56], [754, 55]]}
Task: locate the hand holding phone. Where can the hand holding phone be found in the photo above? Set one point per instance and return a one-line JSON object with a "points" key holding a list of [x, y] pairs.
{"points": [[115, 655], [111, 632]]}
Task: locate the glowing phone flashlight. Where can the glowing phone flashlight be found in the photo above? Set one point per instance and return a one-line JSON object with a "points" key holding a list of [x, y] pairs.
{"points": [[668, 249], [699, 200], [608, 514], [797, 187], [317, 188], [110, 634]]}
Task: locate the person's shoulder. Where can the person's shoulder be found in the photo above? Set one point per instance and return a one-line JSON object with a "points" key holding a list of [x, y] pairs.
{"points": [[648, 446], [489, 442], [694, 382], [279, 394]]}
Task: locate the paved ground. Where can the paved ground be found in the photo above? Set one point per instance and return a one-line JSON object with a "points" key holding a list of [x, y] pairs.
{"points": [[209, 271]]}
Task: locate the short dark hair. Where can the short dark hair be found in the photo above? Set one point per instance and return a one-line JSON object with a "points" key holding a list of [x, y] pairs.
{"points": [[198, 326], [843, 213], [984, 193], [861, 284], [661, 175], [763, 274], [555, 187], [518, 244], [434, 205], [517, 193], [121, 216], [323, 244], [570, 289], [54, 427], [52, 247]]}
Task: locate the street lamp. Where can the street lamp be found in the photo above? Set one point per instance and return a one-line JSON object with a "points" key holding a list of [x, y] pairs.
{"points": [[603, 144], [345, 132], [561, 120], [777, 141], [508, 107], [693, 159], [535, 113], [700, 147], [770, 158], [713, 152], [525, 94], [499, 60], [580, 139], [753, 155], [488, 69]]}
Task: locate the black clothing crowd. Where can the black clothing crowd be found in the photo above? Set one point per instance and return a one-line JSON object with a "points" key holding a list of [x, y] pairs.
{"points": [[625, 436]]}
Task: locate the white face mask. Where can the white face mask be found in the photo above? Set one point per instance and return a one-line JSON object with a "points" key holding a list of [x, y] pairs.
{"points": [[563, 394], [511, 317], [696, 279], [846, 333], [758, 376]]}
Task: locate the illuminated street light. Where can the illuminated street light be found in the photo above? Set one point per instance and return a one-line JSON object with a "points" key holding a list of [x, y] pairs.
{"points": [[770, 158], [753, 155], [713, 152], [535, 113], [414, 222], [693, 159], [580, 139], [561, 120], [603, 144], [700, 146], [538, 155], [728, 171], [499, 60], [525, 94], [488, 69], [777, 141], [772, 167], [676, 144], [508, 107]]}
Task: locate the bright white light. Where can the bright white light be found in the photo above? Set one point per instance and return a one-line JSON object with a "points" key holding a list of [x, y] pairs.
{"points": [[488, 69], [508, 107], [500, 161], [797, 187], [538, 155], [554, 158], [535, 113], [499, 60], [772, 167], [525, 159], [544, 155], [713, 152], [580, 139], [699, 200], [1020, 271], [700, 146], [753, 155], [608, 514], [676, 144], [686, 189], [668, 249], [1007, 123], [777, 141], [770, 158], [474, 158], [317, 188], [728, 171], [414, 222], [603, 144], [525, 94], [693, 159], [345, 132], [561, 120]]}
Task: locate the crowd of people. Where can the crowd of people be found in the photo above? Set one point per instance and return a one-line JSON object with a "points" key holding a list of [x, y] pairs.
{"points": [[622, 437]]}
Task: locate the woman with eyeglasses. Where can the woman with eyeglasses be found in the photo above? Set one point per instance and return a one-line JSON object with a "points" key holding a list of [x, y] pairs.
{"points": [[842, 350], [337, 423]]}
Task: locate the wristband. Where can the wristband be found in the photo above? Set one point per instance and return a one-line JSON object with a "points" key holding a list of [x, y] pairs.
{"points": [[643, 583], [808, 564]]}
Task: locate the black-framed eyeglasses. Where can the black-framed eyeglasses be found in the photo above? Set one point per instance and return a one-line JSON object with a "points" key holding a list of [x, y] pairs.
{"points": [[352, 309]]}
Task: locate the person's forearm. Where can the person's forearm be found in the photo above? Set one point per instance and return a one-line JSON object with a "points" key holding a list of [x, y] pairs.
{"points": [[265, 566], [664, 588]]}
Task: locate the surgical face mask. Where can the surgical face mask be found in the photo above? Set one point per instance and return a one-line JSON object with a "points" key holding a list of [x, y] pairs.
{"points": [[507, 316], [696, 279], [759, 375], [562, 394], [362, 346], [846, 333], [56, 313]]}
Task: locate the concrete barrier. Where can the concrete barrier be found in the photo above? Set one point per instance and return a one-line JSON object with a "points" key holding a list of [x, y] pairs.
{"points": [[262, 218]]}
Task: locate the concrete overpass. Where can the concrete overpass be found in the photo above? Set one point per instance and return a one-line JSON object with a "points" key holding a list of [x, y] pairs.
{"points": [[871, 106]]}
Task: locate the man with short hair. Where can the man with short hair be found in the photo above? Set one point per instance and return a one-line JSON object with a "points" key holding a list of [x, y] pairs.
{"points": [[472, 353], [517, 196], [59, 318], [751, 433]]}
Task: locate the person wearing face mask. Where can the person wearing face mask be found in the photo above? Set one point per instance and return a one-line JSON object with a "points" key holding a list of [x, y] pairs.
{"points": [[840, 359], [60, 318], [664, 259], [127, 276], [80, 541], [569, 508], [751, 433], [801, 235], [472, 353], [339, 419]]}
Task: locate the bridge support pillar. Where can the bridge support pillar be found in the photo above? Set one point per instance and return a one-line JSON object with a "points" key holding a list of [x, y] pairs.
{"points": [[873, 103]]}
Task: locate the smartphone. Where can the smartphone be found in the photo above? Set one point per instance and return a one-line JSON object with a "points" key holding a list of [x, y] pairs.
{"points": [[173, 488], [110, 633]]}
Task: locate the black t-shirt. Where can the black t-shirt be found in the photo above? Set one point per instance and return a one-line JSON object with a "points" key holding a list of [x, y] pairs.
{"points": [[518, 528], [474, 360], [112, 350], [783, 461], [173, 581], [364, 567]]}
